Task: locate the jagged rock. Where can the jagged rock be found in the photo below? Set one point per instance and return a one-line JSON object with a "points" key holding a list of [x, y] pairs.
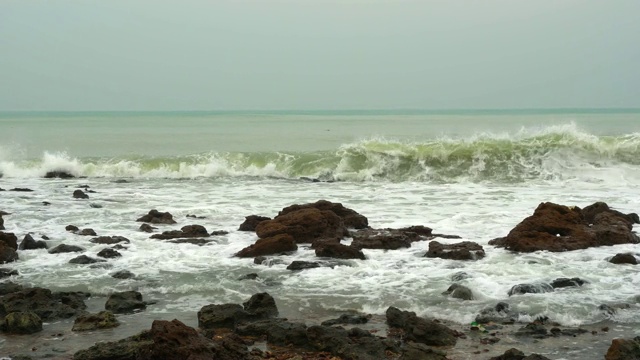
{"points": [[157, 217], [251, 276], [44, 303], [349, 344], [251, 221], [590, 212], [530, 289], [108, 240], [269, 246], [125, 302], [189, 231], [623, 258], [459, 276], [9, 239], [304, 226], [350, 218], [101, 320], [339, 251], [19, 322], [63, 248], [419, 329], [458, 291], [29, 243], [515, 354], [191, 241], [1, 223], [84, 259], [123, 274], [79, 194], [624, 349], [8, 247], [61, 174], [109, 253], [466, 250], [261, 305]]}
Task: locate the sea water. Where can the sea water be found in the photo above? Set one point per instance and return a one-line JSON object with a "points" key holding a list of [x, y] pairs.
{"points": [[472, 174]]}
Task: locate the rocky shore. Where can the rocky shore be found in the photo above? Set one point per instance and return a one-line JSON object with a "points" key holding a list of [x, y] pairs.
{"points": [[39, 323]]}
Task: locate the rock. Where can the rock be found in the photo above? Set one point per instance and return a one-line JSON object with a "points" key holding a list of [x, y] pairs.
{"points": [[530, 289], [219, 233], [339, 251], [419, 329], [189, 231], [350, 218], [418, 229], [590, 212], [109, 253], [263, 260], [108, 240], [84, 259], [466, 250], [416, 351], [251, 221], [63, 248], [251, 276], [7, 254], [79, 194], [348, 319], [624, 349], [498, 314], [554, 227], [261, 305], [458, 291], [459, 276], [388, 239], [624, 258], [21, 189], [8, 287], [565, 282], [61, 174], [157, 217], [304, 225], [71, 228], [1, 223], [123, 274], [87, 232], [18, 322], [279, 332], [125, 302], [46, 305], [147, 228], [29, 243], [515, 354], [192, 241], [9, 239], [269, 246], [302, 265], [216, 316], [4, 272], [95, 206], [101, 320], [195, 216], [352, 344]]}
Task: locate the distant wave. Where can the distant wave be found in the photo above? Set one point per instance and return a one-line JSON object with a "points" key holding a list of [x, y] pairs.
{"points": [[556, 152]]}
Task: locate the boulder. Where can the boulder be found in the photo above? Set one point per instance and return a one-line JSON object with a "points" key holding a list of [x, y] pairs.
{"points": [[44, 303], [8, 287], [258, 307], [123, 274], [147, 228], [108, 253], [530, 289], [63, 248], [338, 251], [416, 351], [348, 319], [349, 344], [554, 227], [304, 225], [60, 174], [189, 231], [7, 254], [251, 221], [125, 302], [157, 217], [9, 239], [590, 212], [624, 258], [29, 243], [420, 330], [71, 228], [261, 305], [500, 313], [466, 250], [566, 282], [87, 232], [279, 332], [458, 291], [302, 265], [19, 322], [269, 246], [79, 194], [1, 223], [387, 239], [84, 259], [350, 218], [624, 349], [515, 354], [101, 320], [109, 240]]}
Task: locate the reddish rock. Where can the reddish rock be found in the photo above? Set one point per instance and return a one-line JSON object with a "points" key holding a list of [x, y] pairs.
{"points": [[388, 239], [589, 213], [251, 221], [268, 246], [554, 227], [189, 231], [466, 250], [350, 218], [338, 251], [305, 225], [623, 349], [157, 217]]}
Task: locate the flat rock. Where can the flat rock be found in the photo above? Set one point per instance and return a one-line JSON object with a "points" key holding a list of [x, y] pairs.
{"points": [[466, 250]]}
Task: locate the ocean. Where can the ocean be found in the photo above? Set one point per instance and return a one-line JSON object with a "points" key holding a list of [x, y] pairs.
{"points": [[475, 174]]}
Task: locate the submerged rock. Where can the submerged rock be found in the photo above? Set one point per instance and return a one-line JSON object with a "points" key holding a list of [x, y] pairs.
{"points": [[61, 174], [79, 194], [530, 289], [458, 291], [109, 240], [189, 231]]}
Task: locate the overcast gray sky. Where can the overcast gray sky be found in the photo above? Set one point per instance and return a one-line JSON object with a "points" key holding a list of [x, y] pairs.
{"points": [[318, 54]]}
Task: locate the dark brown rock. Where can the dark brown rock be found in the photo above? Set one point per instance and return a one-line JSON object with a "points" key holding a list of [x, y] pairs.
{"points": [[419, 329], [7, 254], [624, 258], [418, 229], [350, 218], [61, 174], [108, 253], [4, 272], [101, 320], [466, 250], [125, 302], [123, 274], [189, 231], [590, 212], [87, 232], [268, 246], [71, 228], [64, 248], [84, 259], [566, 282], [157, 217], [339, 251], [9, 239], [109, 240], [147, 228], [305, 225], [79, 194], [251, 221], [388, 239], [217, 316], [261, 306], [624, 349], [302, 265]]}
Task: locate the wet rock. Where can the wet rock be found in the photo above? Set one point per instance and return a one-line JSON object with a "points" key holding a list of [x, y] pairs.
{"points": [[530, 289], [279, 332], [101, 320], [304, 226], [9, 239], [261, 306], [147, 228], [348, 319], [157, 217], [416, 351], [466, 250], [29, 243], [251, 221], [418, 229], [554, 227], [125, 302], [612, 309], [277, 244], [500, 313], [420, 330], [624, 349], [109, 240], [71, 228], [84, 259], [302, 265], [60, 174], [4, 272], [350, 218], [387, 239], [1, 223], [263, 260], [219, 233], [8, 287], [191, 241], [458, 291], [46, 203], [624, 258], [21, 189], [44, 303], [339, 251], [87, 232], [63, 248], [566, 282], [123, 274], [459, 276], [194, 216], [109, 253], [251, 276], [19, 322], [217, 316], [515, 354], [189, 231], [79, 194], [8, 247], [352, 344], [95, 206], [590, 212]]}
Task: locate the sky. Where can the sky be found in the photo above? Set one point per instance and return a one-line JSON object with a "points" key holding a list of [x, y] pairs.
{"points": [[158, 55]]}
